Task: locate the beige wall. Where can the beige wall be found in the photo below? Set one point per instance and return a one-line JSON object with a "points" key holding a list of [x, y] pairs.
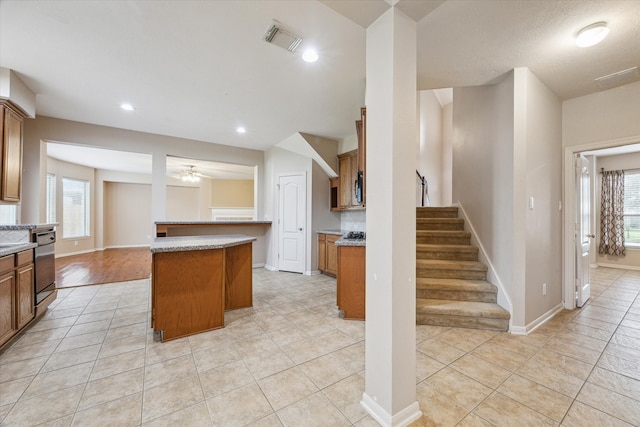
{"points": [[543, 169], [183, 203], [231, 193], [506, 150], [482, 144], [632, 255], [127, 214], [602, 116]]}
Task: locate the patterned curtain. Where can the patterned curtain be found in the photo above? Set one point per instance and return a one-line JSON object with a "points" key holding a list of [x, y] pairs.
{"points": [[611, 211]]}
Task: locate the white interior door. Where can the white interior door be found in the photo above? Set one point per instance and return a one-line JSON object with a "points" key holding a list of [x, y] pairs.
{"points": [[291, 223], [583, 233]]}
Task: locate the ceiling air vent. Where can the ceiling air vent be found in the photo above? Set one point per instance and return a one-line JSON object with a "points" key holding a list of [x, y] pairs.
{"points": [[618, 79], [281, 36]]}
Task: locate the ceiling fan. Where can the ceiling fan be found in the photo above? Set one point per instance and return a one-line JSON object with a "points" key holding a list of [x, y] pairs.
{"points": [[191, 174]]}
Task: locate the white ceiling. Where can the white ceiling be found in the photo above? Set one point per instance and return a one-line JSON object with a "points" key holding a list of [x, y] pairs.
{"points": [[199, 69]]}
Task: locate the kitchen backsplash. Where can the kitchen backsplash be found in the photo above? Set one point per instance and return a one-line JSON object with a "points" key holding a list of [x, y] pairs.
{"points": [[353, 220], [14, 236]]}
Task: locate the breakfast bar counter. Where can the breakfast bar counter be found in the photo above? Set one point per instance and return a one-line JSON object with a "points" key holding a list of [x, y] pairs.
{"points": [[194, 279]]}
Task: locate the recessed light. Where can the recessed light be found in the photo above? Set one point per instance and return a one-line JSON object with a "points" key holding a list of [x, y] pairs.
{"points": [[310, 55], [592, 34], [240, 129], [127, 107]]}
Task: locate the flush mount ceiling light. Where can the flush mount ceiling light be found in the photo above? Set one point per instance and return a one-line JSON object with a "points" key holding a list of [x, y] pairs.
{"points": [[592, 34], [240, 129], [310, 55], [127, 107]]}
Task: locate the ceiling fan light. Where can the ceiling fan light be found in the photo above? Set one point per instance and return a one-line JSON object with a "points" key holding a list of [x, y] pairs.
{"points": [[592, 34]]}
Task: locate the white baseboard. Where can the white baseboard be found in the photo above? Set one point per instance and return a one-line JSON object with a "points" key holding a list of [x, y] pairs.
{"points": [[622, 267], [525, 330], [124, 247], [401, 419], [270, 267], [503, 299], [259, 265], [77, 253]]}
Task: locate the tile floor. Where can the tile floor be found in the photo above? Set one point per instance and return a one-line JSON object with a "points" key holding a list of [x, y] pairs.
{"points": [[289, 360]]}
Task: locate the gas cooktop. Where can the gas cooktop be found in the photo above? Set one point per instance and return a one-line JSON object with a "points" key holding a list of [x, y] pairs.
{"points": [[355, 235]]}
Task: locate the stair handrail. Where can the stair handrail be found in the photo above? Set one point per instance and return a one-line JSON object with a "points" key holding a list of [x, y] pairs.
{"points": [[424, 190]]}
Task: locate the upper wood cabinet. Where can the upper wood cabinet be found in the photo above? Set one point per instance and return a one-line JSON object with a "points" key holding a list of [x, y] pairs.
{"points": [[348, 174], [11, 159]]}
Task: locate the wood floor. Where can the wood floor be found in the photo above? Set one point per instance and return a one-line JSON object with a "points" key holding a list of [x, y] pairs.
{"points": [[108, 266]]}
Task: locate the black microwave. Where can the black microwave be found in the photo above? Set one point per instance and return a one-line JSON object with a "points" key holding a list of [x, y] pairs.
{"points": [[358, 187]]}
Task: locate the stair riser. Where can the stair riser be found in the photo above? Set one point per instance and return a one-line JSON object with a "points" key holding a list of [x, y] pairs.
{"points": [[451, 274], [436, 214], [456, 295], [451, 256], [440, 226], [463, 322], [444, 240]]}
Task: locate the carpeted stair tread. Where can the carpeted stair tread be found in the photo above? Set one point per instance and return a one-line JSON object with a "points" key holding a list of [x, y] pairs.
{"points": [[461, 308], [442, 264], [437, 212], [462, 285]]}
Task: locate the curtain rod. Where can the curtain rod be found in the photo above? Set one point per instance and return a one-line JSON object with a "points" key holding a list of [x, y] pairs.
{"points": [[623, 170]]}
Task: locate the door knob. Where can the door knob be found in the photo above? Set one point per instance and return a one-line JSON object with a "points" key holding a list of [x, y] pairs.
{"points": [[300, 228], [593, 236]]}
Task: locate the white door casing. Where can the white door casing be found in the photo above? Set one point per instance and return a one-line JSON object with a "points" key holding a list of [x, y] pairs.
{"points": [[583, 229], [291, 222]]}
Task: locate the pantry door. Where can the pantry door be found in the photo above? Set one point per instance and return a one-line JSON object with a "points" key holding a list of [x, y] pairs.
{"points": [[291, 222]]}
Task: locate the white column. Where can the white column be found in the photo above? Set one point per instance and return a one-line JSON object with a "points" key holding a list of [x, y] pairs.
{"points": [[158, 188], [392, 149]]}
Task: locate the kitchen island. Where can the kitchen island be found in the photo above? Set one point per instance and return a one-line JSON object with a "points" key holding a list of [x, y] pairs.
{"points": [[351, 277], [194, 279]]}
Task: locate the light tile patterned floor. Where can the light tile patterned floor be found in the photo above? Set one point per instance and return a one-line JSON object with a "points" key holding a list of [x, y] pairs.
{"points": [[291, 361]]}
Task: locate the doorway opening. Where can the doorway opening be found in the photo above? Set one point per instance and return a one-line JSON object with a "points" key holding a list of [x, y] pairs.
{"points": [[570, 217]]}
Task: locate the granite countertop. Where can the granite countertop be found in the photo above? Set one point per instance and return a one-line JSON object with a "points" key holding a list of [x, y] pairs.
{"points": [[197, 243], [209, 222], [26, 226], [351, 242], [336, 232], [15, 248]]}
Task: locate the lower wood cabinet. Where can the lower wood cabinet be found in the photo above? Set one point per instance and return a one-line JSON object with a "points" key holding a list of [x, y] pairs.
{"points": [[350, 284], [16, 293], [328, 253], [7, 306]]}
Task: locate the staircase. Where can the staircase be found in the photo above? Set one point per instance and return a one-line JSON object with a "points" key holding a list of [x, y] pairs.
{"points": [[451, 286]]}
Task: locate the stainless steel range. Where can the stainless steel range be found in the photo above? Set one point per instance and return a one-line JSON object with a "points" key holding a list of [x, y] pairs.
{"points": [[45, 262]]}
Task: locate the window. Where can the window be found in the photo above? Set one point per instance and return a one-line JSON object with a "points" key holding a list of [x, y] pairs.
{"points": [[632, 208], [75, 208], [51, 198]]}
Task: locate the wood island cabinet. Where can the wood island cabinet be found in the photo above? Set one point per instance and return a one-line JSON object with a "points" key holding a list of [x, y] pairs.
{"points": [[350, 285], [328, 253], [16, 293], [11, 149]]}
